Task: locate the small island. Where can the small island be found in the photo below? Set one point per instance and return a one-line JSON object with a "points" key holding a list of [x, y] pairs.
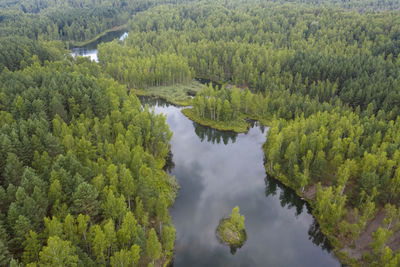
{"points": [[231, 231]]}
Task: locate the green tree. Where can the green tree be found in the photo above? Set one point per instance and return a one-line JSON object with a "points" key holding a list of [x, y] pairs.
{"points": [[126, 257], [127, 233], [168, 238], [237, 219], [58, 253], [32, 247], [85, 200], [153, 246], [380, 237]]}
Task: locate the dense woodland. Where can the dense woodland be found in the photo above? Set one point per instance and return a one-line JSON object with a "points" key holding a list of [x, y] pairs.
{"points": [[82, 179], [81, 167], [73, 20], [325, 78]]}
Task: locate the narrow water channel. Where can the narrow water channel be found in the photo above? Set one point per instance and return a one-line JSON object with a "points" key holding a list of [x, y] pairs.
{"points": [[90, 50], [219, 170]]}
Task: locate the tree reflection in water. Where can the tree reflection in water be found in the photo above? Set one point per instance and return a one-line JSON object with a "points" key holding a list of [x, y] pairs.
{"points": [[289, 199], [212, 135], [153, 101]]}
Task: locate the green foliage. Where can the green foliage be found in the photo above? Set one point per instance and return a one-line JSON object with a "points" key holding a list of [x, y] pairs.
{"points": [[380, 237], [72, 20], [58, 253], [153, 246], [231, 230], [76, 150], [237, 219], [141, 70], [330, 207]]}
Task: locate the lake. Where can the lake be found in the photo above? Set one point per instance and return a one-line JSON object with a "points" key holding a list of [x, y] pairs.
{"points": [[217, 171], [90, 50]]}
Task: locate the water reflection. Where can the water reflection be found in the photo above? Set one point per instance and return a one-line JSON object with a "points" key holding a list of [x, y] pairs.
{"points": [[219, 170], [204, 133], [90, 50], [207, 82], [214, 136], [287, 196], [153, 102], [169, 163], [318, 238], [289, 199]]}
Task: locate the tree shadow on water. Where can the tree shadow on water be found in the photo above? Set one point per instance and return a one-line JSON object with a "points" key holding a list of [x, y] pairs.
{"points": [[214, 136], [289, 199]]}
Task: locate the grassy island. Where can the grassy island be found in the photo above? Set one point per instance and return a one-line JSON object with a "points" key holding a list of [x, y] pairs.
{"points": [[178, 94], [239, 125], [231, 231]]}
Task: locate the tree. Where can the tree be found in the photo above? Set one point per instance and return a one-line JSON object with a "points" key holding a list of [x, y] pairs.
{"points": [[392, 216], [99, 243], [330, 206], [127, 186], [4, 254], [70, 229], [162, 211], [32, 247], [85, 200], [153, 246], [237, 219], [58, 253], [82, 227], [380, 238], [235, 101], [111, 236], [114, 207], [13, 170], [53, 227], [125, 257], [21, 227], [127, 233], [168, 238]]}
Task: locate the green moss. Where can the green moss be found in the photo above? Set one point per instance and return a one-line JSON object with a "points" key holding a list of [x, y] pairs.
{"points": [[179, 94], [239, 125]]}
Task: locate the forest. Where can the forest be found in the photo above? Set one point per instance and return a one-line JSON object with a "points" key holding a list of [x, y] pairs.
{"points": [[82, 168], [82, 178], [327, 90], [74, 20]]}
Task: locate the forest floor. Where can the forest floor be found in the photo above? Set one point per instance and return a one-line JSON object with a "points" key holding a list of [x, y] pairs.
{"points": [[178, 94], [362, 244], [347, 252]]}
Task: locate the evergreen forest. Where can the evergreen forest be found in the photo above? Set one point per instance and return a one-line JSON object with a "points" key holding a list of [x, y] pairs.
{"points": [[83, 178]]}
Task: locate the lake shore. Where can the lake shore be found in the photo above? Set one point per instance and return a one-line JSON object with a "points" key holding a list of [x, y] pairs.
{"points": [[79, 44]]}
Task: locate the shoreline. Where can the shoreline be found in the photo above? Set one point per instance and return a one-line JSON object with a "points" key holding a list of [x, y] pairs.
{"points": [[80, 44], [336, 244], [241, 127], [342, 257]]}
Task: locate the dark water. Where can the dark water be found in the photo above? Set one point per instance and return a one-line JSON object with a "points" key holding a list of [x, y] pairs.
{"points": [[219, 170], [207, 82], [90, 50]]}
